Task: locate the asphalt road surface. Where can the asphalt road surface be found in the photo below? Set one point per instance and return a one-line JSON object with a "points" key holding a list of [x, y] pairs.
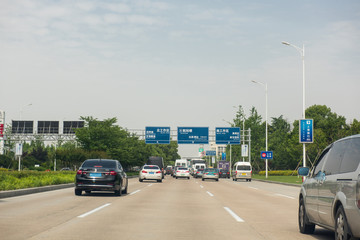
{"points": [[173, 209]]}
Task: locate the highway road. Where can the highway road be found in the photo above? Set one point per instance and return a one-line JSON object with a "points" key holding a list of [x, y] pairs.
{"points": [[173, 209]]}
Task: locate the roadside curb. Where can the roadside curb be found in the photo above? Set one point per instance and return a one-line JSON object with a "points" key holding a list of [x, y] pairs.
{"points": [[20, 192], [26, 191], [281, 183]]}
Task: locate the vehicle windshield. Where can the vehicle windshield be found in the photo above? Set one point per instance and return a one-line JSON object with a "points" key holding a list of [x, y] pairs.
{"points": [[99, 164], [244, 168], [151, 167]]}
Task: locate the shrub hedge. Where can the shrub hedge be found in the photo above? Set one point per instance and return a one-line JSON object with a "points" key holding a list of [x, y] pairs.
{"points": [[12, 180]]}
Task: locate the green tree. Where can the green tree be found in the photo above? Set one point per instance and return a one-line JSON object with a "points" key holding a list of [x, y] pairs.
{"points": [[100, 135], [279, 137]]}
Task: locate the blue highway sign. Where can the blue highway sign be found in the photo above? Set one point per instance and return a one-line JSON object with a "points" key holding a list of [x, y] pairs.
{"points": [[266, 155], [227, 135], [306, 129], [157, 135], [210, 153], [193, 135]]}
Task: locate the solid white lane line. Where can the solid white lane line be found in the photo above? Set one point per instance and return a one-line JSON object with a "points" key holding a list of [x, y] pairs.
{"points": [[211, 195], [150, 185], [135, 192], [236, 217], [281, 195], [253, 188], [201, 186], [95, 210]]}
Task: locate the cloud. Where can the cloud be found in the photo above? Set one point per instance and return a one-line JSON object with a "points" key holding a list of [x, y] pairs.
{"points": [[116, 7]]}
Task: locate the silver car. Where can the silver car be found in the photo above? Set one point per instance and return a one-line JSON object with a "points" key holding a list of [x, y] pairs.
{"points": [[330, 195]]}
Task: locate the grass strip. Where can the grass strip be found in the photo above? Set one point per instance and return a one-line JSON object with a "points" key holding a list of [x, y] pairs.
{"points": [[283, 179]]}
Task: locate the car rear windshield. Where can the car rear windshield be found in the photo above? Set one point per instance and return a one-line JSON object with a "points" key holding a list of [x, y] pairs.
{"points": [[244, 168], [99, 164], [151, 167]]}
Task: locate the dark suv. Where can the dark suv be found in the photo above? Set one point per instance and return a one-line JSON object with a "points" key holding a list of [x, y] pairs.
{"points": [[224, 173], [330, 195], [101, 175]]}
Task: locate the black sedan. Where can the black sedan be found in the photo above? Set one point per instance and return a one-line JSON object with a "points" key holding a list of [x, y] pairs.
{"points": [[101, 175], [224, 173]]}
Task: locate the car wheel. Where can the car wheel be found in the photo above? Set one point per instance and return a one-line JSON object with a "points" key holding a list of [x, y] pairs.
{"points": [[140, 180], [203, 179], [78, 192], [188, 178], [304, 225], [125, 191], [176, 177], [217, 180], [118, 192], [342, 231]]}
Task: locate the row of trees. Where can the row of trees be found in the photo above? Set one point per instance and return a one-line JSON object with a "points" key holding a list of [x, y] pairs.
{"points": [[283, 138], [98, 139], [105, 139]]}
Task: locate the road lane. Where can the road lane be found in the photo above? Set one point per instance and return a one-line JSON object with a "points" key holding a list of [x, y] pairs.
{"points": [[28, 215], [175, 209]]}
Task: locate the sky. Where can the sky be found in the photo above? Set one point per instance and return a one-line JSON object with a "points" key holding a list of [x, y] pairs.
{"points": [[177, 63]]}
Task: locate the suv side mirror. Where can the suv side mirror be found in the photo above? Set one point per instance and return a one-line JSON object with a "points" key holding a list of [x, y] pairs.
{"points": [[303, 171]]}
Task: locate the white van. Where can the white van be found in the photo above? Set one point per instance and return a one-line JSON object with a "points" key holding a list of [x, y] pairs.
{"points": [[181, 163], [197, 166], [242, 170]]}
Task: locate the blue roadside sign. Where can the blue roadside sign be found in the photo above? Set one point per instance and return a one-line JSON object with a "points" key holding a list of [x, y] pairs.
{"points": [[266, 155], [227, 135], [193, 135], [157, 135], [210, 153], [306, 128]]}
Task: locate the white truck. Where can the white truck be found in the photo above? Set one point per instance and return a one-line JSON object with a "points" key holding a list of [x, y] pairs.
{"points": [[181, 163]]}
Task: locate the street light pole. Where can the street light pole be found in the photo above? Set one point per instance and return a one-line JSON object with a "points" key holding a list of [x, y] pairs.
{"points": [[266, 123], [302, 53]]}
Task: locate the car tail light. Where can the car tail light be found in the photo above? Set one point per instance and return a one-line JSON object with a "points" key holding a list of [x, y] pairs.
{"points": [[187, 171], [143, 171], [236, 173], [358, 192], [158, 172], [112, 173], [80, 172], [177, 171], [216, 174]]}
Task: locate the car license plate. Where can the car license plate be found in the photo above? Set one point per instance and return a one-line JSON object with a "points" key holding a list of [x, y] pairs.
{"points": [[151, 172], [95, 174], [182, 174], [243, 174]]}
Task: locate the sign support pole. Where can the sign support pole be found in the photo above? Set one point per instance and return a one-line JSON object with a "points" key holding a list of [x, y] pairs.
{"points": [[230, 161]]}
